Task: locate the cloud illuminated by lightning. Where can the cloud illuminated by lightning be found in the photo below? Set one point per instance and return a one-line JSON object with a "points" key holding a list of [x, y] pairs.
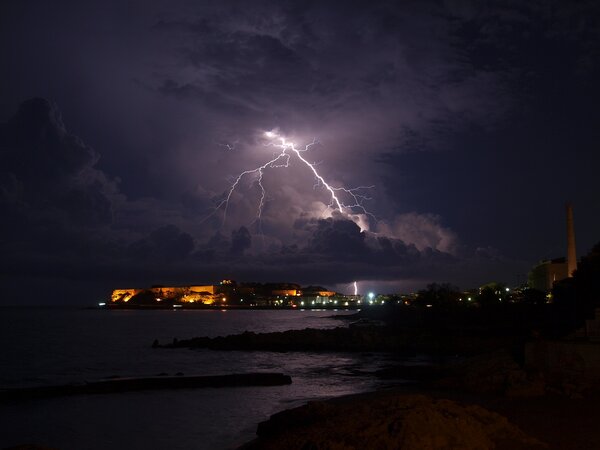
{"points": [[287, 149]]}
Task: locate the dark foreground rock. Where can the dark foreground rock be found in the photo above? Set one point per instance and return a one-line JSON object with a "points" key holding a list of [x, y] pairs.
{"points": [[139, 384], [390, 421]]}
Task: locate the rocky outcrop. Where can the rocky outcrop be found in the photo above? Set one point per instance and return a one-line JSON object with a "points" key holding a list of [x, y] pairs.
{"points": [[389, 421]]}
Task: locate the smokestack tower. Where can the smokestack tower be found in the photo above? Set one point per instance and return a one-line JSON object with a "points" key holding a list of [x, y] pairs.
{"points": [[571, 254]]}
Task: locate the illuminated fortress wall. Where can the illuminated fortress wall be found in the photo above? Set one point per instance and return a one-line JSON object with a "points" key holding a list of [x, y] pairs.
{"points": [[326, 293], [211, 289], [205, 294], [169, 292], [123, 295], [288, 292]]}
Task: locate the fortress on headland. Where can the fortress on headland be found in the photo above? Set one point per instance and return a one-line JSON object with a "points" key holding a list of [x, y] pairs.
{"points": [[186, 294], [228, 293]]}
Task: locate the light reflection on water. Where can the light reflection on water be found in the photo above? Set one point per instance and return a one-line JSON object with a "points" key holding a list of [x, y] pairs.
{"points": [[61, 346]]}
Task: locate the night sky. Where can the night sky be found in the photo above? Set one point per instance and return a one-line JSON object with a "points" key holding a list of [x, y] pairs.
{"points": [[123, 125]]}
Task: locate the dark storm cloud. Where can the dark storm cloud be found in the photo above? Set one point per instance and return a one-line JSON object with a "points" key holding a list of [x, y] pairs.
{"points": [[337, 237], [58, 208], [163, 245], [240, 241], [338, 251], [47, 170], [457, 112], [283, 61]]}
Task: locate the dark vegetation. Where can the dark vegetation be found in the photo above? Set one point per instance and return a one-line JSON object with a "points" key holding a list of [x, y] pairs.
{"points": [[577, 297], [494, 310]]}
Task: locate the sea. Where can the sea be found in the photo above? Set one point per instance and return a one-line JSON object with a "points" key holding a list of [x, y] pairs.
{"points": [[53, 346]]}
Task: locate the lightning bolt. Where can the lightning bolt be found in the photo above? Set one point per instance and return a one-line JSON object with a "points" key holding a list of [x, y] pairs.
{"points": [[286, 150], [229, 147], [355, 288]]}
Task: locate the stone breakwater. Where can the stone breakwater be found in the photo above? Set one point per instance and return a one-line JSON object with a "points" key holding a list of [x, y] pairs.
{"points": [[151, 383]]}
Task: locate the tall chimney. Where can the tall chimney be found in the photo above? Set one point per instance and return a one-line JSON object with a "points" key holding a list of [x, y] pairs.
{"points": [[571, 254]]}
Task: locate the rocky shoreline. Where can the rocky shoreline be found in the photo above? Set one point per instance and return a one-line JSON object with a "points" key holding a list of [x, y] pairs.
{"points": [[352, 339], [484, 402], [502, 387]]}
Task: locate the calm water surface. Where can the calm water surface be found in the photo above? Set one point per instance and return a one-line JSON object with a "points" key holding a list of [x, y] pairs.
{"points": [[56, 346]]}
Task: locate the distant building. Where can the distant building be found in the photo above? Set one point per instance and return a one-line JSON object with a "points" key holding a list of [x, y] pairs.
{"points": [[571, 253], [209, 289], [543, 276], [317, 291], [286, 292]]}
